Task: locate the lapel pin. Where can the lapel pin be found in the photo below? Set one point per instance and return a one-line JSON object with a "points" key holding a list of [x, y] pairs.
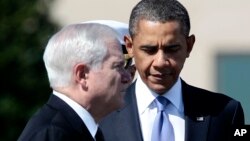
{"points": [[200, 118]]}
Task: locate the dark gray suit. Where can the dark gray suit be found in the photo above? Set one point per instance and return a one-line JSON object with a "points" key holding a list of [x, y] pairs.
{"points": [[56, 121], [208, 117]]}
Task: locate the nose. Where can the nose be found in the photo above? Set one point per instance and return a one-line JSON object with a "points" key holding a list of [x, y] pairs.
{"points": [[125, 76], [160, 60]]}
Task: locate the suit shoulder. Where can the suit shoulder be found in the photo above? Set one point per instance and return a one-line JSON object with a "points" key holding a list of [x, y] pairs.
{"points": [[42, 122], [52, 133], [198, 99], [205, 94]]}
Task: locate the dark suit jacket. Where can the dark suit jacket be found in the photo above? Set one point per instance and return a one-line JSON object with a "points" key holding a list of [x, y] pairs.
{"points": [[56, 121], [208, 117]]}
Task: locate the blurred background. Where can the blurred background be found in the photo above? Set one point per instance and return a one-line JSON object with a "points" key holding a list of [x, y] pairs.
{"points": [[220, 60]]}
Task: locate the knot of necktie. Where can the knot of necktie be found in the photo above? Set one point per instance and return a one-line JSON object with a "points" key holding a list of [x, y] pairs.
{"points": [[162, 103]]}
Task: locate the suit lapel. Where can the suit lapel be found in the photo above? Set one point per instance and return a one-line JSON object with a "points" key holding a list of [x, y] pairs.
{"points": [[196, 121], [127, 123], [196, 130], [74, 120]]}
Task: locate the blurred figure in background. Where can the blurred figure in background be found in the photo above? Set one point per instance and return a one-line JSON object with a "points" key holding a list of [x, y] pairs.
{"points": [[122, 30], [85, 67]]}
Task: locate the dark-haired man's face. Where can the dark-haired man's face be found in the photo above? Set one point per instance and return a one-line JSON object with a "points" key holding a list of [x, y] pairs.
{"points": [[160, 51]]}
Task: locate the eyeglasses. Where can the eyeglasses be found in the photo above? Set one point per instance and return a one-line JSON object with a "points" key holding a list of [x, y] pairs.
{"points": [[128, 61]]}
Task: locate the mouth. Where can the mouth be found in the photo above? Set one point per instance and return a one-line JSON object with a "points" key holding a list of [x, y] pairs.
{"points": [[160, 76]]}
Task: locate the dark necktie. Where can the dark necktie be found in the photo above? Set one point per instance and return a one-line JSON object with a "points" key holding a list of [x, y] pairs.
{"points": [[99, 135], [162, 128]]}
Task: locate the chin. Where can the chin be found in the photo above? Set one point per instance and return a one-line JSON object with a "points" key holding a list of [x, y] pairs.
{"points": [[160, 92], [160, 89]]}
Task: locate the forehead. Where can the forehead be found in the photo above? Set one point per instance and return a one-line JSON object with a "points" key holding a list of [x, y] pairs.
{"points": [[156, 27], [158, 32]]}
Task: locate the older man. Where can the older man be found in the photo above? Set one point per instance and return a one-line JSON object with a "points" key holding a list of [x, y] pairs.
{"points": [[85, 67]]}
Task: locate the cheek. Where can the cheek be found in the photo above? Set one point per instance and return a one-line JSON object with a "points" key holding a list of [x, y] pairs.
{"points": [[114, 79], [177, 63], [142, 68], [143, 62]]}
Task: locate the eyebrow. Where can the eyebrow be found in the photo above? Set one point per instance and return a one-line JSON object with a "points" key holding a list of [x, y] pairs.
{"points": [[148, 46], [156, 46]]}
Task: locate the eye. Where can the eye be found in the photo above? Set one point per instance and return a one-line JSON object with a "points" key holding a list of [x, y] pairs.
{"points": [[172, 48], [149, 49], [128, 62], [119, 66]]}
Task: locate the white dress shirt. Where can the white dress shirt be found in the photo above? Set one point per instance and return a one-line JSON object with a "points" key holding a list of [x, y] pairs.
{"points": [[81, 112], [148, 110]]}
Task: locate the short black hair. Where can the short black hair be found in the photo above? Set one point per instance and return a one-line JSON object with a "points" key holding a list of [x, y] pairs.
{"points": [[160, 11]]}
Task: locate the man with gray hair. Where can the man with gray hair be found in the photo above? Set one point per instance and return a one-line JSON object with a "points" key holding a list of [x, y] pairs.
{"points": [[85, 67]]}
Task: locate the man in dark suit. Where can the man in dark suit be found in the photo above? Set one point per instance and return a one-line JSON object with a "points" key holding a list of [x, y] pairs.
{"points": [[84, 63], [160, 42]]}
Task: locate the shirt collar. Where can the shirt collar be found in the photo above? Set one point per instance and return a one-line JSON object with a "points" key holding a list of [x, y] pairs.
{"points": [[81, 112], [145, 96]]}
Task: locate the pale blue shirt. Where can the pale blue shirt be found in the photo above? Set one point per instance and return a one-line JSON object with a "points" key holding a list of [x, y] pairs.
{"points": [[81, 112], [147, 109]]}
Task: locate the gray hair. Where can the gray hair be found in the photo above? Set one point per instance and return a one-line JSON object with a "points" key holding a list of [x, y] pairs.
{"points": [[159, 11], [73, 44]]}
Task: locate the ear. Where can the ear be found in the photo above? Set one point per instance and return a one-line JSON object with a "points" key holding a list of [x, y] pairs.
{"points": [[190, 44], [129, 45], [81, 72]]}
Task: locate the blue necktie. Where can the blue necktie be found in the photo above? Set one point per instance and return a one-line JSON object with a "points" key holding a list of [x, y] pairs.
{"points": [[162, 129]]}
